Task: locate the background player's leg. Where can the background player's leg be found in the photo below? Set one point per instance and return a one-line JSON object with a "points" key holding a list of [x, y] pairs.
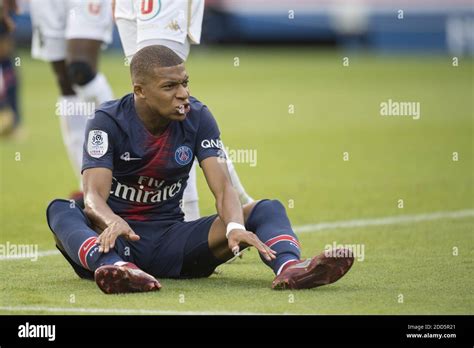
{"points": [[268, 220], [82, 58], [72, 123], [190, 197], [9, 112], [127, 29], [71, 227], [243, 195]]}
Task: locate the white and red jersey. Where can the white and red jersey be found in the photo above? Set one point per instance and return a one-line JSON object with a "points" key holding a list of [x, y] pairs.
{"points": [[179, 21]]}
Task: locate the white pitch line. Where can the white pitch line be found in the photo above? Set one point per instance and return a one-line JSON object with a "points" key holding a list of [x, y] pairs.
{"points": [[120, 311], [389, 220], [22, 257], [383, 221]]}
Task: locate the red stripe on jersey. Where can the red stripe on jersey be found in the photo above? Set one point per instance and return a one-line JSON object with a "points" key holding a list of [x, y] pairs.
{"points": [[84, 249]]}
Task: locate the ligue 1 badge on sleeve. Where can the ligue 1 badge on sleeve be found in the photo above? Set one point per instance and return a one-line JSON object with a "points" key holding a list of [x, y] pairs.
{"points": [[97, 143]]}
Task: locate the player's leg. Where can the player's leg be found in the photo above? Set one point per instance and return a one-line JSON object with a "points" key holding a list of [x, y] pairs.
{"points": [[49, 44], [77, 241], [269, 221], [70, 120], [82, 59], [126, 20], [243, 195], [89, 26]]}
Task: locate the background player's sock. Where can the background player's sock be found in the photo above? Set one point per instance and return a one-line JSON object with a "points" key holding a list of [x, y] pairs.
{"points": [[73, 127], [243, 196], [191, 210], [268, 220], [190, 197], [97, 90], [70, 226]]}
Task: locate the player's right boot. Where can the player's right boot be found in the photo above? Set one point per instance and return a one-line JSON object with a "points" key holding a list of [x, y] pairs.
{"points": [[113, 279], [323, 269]]}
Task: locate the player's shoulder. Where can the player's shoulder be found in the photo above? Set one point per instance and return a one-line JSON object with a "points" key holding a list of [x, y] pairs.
{"points": [[199, 111], [114, 113]]}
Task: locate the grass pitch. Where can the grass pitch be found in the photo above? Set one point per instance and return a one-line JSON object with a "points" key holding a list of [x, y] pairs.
{"points": [[417, 268]]}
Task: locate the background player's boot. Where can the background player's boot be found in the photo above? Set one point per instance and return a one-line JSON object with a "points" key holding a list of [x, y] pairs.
{"points": [[113, 279], [323, 269]]}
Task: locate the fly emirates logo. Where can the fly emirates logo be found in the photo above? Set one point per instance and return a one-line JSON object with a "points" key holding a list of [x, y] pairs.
{"points": [[148, 190]]}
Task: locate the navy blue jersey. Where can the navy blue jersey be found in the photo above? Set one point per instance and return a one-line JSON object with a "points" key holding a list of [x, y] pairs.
{"points": [[149, 173]]}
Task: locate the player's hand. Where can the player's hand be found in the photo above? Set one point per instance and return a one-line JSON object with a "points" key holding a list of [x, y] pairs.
{"points": [[117, 228], [237, 237]]}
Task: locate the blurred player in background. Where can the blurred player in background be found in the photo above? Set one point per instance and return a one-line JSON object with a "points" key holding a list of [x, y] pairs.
{"points": [[9, 113], [69, 34], [175, 24]]}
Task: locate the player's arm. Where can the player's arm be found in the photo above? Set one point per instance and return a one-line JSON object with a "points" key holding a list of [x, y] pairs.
{"points": [[97, 183], [228, 206]]}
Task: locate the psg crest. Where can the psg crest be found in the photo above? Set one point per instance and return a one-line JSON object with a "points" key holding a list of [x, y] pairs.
{"points": [[183, 155]]}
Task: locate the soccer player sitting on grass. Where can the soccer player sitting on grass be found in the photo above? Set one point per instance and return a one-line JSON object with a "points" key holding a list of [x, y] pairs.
{"points": [[138, 152]]}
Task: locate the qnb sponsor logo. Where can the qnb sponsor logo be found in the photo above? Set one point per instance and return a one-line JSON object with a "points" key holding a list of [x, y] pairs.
{"points": [[158, 193], [244, 156], [37, 331], [212, 143], [400, 108], [19, 251], [344, 250], [75, 108]]}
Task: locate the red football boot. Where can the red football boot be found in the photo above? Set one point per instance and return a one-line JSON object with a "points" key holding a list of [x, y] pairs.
{"points": [[311, 273], [113, 279]]}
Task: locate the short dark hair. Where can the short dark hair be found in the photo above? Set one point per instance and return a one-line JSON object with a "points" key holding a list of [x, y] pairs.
{"points": [[148, 58]]}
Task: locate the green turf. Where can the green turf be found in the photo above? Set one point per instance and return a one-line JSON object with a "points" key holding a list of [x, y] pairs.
{"points": [[300, 158]]}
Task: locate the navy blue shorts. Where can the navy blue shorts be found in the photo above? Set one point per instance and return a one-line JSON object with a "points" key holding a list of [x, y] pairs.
{"points": [[171, 249]]}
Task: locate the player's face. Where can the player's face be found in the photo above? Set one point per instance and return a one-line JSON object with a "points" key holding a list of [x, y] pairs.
{"points": [[167, 93]]}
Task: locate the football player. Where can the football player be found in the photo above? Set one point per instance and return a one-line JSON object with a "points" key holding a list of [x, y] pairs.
{"points": [[175, 24], [138, 153]]}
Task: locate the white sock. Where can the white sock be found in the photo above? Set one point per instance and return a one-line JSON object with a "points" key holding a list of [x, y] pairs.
{"points": [[243, 195], [98, 90], [73, 127], [120, 263], [190, 197]]}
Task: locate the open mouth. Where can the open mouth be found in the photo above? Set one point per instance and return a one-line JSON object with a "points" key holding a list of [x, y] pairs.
{"points": [[183, 109]]}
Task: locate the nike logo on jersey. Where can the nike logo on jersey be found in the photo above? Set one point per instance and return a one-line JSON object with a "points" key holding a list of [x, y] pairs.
{"points": [[126, 157]]}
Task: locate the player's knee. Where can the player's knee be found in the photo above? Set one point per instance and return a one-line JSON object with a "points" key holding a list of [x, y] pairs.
{"points": [[57, 210], [57, 205], [262, 210], [80, 73]]}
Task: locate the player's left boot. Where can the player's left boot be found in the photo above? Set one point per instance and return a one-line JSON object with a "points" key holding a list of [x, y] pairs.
{"points": [[323, 269], [113, 279]]}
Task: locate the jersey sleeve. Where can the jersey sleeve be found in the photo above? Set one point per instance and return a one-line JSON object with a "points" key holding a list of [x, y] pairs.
{"points": [[100, 136], [209, 143]]}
